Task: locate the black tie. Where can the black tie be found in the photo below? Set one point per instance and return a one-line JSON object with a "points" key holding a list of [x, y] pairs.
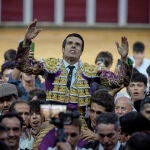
{"points": [[69, 77]]}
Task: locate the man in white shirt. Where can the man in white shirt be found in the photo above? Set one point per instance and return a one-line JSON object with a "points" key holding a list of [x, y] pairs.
{"points": [[13, 123], [139, 62], [123, 104], [108, 130], [23, 109]]}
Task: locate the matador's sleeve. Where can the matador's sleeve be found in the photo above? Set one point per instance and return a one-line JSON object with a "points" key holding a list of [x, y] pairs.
{"points": [[122, 78], [25, 62]]}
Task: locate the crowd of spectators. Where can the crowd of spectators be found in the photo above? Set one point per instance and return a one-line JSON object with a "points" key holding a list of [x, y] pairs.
{"points": [[104, 110]]}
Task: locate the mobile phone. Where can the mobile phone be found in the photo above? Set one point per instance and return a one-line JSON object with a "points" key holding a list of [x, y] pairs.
{"points": [[45, 110], [52, 110], [100, 64], [101, 60], [56, 109]]}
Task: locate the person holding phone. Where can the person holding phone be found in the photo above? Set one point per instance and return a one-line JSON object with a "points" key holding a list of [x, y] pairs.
{"points": [[103, 62]]}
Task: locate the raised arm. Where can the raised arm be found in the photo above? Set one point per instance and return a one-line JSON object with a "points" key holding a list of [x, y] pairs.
{"points": [[24, 62], [123, 76], [123, 49], [32, 32]]}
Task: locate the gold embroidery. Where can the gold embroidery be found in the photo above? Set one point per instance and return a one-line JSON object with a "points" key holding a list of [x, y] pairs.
{"points": [[89, 70], [80, 90], [52, 64]]}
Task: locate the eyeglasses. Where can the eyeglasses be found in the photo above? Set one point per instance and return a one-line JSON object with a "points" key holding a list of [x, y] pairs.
{"points": [[71, 134]]}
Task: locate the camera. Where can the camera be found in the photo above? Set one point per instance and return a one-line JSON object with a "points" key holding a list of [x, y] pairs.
{"points": [[64, 118], [58, 115]]}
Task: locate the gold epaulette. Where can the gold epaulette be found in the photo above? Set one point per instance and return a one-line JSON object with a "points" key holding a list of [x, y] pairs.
{"points": [[89, 70], [52, 64]]}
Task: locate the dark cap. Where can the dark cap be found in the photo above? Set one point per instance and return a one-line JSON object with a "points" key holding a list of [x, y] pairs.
{"points": [[7, 89]]}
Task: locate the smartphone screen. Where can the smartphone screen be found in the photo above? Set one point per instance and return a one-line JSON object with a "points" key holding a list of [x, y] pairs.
{"points": [[56, 109], [51, 110], [100, 64], [45, 110]]}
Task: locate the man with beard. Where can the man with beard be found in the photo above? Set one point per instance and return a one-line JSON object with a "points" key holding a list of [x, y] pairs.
{"points": [[13, 123], [8, 94], [23, 109]]}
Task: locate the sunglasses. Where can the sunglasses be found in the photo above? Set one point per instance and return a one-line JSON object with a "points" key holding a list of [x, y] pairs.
{"points": [[71, 134]]}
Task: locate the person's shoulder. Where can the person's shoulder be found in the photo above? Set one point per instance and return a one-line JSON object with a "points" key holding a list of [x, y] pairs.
{"points": [[146, 60], [43, 132], [50, 61], [131, 57], [89, 70], [51, 64]]}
